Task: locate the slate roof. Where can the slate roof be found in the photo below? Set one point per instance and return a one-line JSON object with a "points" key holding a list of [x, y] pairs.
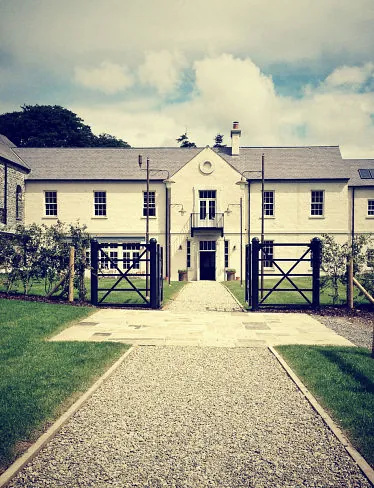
{"points": [[281, 163], [102, 163], [289, 163], [7, 152], [356, 164]]}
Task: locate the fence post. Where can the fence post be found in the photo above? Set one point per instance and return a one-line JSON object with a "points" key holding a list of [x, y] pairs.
{"points": [[153, 272], [255, 258], [248, 271], [350, 284], [71, 274], [316, 249], [94, 271]]}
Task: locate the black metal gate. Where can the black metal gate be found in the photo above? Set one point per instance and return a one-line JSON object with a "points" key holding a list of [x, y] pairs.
{"points": [[257, 291], [131, 279]]}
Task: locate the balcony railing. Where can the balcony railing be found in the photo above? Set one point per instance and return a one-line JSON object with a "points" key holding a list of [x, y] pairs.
{"points": [[209, 223]]}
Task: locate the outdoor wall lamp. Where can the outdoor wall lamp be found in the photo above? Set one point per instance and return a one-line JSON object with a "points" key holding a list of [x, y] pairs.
{"points": [[182, 211]]}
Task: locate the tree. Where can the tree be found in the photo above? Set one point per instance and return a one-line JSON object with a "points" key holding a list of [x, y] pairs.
{"points": [[218, 140], [184, 142], [51, 126]]}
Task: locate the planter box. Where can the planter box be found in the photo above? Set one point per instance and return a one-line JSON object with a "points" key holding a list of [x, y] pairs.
{"points": [[230, 275], [182, 275]]}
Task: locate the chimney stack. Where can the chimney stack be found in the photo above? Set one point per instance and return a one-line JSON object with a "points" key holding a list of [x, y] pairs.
{"points": [[235, 136]]}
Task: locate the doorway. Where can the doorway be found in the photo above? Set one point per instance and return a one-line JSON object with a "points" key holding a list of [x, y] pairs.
{"points": [[208, 260]]}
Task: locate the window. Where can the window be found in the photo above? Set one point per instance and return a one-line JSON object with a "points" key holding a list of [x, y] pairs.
{"points": [[18, 202], [103, 260], [268, 254], [370, 207], [188, 256], [317, 201], [269, 203], [100, 203], [131, 255], [370, 258], [152, 204], [50, 203], [227, 244], [207, 245], [113, 259], [207, 204]]}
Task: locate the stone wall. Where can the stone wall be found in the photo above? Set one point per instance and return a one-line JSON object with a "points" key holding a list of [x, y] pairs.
{"points": [[15, 204]]}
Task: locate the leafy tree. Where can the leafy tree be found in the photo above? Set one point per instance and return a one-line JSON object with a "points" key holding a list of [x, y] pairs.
{"points": [[51, 126], [184, 142], [218, 141]]}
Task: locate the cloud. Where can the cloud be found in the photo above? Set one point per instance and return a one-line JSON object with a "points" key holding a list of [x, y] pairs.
{"points": [[108, 78], [228, 88], [350, 75], [162, 70]]}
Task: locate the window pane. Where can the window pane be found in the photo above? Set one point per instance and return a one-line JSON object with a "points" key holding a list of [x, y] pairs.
{"points": [[317, 198], [51, 203], [268, 254], [152, 204], [268, 202], [370, 207], [100, 203]]}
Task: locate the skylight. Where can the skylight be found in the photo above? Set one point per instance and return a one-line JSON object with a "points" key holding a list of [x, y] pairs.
{"points": [[366, 174]]}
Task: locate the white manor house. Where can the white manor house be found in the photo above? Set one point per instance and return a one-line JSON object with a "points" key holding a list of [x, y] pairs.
{"points": [[204, 204]]}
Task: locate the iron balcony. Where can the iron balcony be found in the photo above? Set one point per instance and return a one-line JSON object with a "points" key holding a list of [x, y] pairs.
{"points": [[211, 223]]}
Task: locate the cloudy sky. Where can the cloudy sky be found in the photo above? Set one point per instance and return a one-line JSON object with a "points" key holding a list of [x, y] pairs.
{"points": [[292, 72]]}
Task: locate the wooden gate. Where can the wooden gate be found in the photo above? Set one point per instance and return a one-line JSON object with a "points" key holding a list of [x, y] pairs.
{"points": [[126, 274], [258, 292]]}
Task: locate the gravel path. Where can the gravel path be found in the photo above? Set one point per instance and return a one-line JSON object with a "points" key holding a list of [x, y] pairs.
{"points": [[194, 417], [203, 296], [356, 330]]}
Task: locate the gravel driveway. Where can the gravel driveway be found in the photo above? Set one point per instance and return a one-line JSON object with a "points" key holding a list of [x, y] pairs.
{"points": [[194, 417]]}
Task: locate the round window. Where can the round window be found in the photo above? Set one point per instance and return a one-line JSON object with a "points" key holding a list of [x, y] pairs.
{"points": [[206, 167]]}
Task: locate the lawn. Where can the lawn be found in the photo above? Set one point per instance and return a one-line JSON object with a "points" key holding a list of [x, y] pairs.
{"points": [[124, 294], [40, 379], [292, 298], [342, 379]]}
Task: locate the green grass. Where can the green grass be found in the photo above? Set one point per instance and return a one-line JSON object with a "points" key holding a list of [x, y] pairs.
{"points": [[342, 379], [40, 379], [117, 297], [293, 298]]}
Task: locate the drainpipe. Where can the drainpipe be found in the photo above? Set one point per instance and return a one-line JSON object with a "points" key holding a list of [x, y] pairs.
{"points": [[5, 193], [249, 212], [353, 218]]}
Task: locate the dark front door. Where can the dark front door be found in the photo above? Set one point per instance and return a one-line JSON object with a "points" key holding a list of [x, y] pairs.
{"points": [[207, 265]]}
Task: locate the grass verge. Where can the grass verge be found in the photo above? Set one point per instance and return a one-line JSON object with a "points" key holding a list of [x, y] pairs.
{"points": [[293, 298], [40, 379], [342, 379]]}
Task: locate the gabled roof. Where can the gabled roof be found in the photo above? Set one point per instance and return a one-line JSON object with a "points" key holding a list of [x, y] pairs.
{"points": [[354, 166], [289, 163], [103, 163], [7, 152], [281, 163]]}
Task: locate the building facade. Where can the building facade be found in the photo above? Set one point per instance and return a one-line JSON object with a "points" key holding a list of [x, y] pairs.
{"points": [[204, 204]]}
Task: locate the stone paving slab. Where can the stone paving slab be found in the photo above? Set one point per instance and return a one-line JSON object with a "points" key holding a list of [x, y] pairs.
{"points": [[201, 328]]}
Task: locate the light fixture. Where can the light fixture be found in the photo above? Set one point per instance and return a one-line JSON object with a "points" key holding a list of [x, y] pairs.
{"points": [[180, 247], [234, 247], [242, 183]]}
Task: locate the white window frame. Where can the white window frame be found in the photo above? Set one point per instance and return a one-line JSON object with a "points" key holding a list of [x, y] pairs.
{"points": [[370, 207], [269, 206], [100, 207], [317, 204], [269, 245], [152, 204], [50, 205]]}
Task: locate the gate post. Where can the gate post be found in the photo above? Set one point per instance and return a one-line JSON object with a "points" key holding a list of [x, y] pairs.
{"points": [[153, 272], [255, 258], [248, 271], [94, 271], [316, 249]]}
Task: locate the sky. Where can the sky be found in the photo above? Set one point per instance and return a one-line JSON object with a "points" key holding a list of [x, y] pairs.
{"points": [[292, 72]]}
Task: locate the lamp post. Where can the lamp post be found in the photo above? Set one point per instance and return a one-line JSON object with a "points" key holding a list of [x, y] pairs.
{"points": [[168, 184], [242, 184], [240, 204]]}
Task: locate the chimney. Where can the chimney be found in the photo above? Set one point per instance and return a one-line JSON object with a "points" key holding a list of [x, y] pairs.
{"points": [[235, 136]]}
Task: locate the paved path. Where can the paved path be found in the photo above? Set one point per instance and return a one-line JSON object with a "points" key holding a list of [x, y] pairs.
{"points": [[192, 417], [193, 320], [204, 296]]}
